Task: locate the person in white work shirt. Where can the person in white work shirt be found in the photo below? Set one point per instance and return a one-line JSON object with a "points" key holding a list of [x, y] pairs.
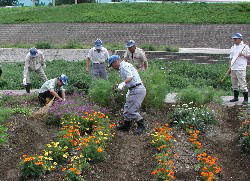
{"points": [[53, 88], [135, 95], [239, 54], [97, 57], [34, 61], [135, 56]]}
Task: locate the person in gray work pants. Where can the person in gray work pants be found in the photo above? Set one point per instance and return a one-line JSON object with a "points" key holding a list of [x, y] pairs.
{"points": [[97, 57], [135, 94]]}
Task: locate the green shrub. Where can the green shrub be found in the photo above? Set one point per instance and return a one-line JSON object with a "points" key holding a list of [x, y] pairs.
{"points": [[4, 115], [187, 115], [155, 82], [198, 96], [43, 45], [101, 92], [245, 138], [148, 47], [72, 44]]}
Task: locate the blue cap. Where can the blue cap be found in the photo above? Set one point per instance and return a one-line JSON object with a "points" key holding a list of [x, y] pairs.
{"points": [[237, 35], [130, 43], [98, 44], [113, 58], [33, 52], [64, 78]]}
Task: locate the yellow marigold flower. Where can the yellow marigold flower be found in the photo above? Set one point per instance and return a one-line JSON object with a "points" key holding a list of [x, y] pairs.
{"points": [[48, 145], [65, 155], [78, 172], [55, 163]]}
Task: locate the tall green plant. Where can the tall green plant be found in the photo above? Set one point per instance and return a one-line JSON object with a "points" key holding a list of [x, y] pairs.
{"points": [[198, 96], [156, 84], [101, 91]]}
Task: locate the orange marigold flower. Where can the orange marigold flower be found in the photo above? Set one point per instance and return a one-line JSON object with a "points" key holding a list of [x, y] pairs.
{"points": [[72, 169], [99, 149], [154, 172], [78, 172], [63, 169], [38, 163]]}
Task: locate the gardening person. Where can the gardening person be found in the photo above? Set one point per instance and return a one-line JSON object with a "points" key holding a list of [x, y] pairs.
{"points": [[53, 88], [238, 56], [34, 61], [135, 56], [97, 57], [135, 95]]}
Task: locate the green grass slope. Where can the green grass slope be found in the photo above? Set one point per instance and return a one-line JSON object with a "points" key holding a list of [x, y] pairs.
{"points": [[197, 13]]}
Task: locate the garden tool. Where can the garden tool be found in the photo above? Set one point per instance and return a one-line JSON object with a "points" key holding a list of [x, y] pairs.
{"points": [[44, 110], [229, 70]]}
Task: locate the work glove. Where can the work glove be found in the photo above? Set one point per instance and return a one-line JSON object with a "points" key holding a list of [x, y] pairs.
{"points": [[24, 81], [121, 86], [44, 66]]}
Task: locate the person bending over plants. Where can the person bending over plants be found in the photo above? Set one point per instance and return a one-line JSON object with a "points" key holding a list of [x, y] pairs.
{"points": [[135, 95], [53, 88]]}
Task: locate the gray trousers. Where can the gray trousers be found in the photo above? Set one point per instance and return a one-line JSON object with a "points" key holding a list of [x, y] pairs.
{"points": [[134, 99], [238, 78], [99, 70], [39, 71]]}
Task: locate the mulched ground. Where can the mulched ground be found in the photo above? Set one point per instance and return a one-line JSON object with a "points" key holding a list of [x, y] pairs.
{"points": [[130, 157]]}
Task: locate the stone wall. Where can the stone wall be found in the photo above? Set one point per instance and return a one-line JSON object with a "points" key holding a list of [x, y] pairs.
{"points": [[180, 35]]}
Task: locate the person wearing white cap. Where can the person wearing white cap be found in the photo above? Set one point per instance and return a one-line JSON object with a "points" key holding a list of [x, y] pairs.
{"points": [[34, 61], [239, 54], [97, 57], [135, 95], [136, 56]]}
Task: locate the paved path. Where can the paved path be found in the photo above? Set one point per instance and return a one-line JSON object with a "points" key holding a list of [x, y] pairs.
{"points": [[171, 99], [180, 35]]}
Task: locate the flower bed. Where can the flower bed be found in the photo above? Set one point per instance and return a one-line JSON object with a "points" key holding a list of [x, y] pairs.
{"points": [[82, 139], [207, 164], [162, 141]]}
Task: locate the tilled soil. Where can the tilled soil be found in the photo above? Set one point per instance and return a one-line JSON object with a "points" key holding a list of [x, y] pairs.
{"points": [[130, 157]]}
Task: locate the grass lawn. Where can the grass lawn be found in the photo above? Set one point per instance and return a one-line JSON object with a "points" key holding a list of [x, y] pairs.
{"points": [[196, 13]]}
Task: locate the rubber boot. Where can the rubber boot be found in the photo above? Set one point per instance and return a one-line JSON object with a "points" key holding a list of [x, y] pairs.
{"points": [[236, 96], [125, 126], [245, 95], [140, 127], [27, 88]]}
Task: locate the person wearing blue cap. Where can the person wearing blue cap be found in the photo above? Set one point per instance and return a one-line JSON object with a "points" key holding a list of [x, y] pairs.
{"points": [[53, 88], [135, 56], [34, 61], [239, 54], [97, 57], [135, 95]]}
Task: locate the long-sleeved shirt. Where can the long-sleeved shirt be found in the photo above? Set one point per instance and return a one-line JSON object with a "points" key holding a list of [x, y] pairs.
{"points": [[239, 62], [33, 63], [50, 85], [137, 58], [128, 70]]}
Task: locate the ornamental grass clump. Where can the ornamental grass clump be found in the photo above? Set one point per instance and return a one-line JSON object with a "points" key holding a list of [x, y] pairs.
{"points": [[186, 115], [199, 96], [162, 141]]}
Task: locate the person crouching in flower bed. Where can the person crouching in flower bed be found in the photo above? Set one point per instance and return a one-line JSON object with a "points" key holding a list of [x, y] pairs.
{"points": [[53, 88]]}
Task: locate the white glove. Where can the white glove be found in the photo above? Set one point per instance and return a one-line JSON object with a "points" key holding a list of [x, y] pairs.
{"points": [[44, 66], [24, 81], [121, 86]]}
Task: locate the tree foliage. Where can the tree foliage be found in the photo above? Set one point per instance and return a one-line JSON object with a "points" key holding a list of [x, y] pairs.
{"points": [[8, 2]]}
